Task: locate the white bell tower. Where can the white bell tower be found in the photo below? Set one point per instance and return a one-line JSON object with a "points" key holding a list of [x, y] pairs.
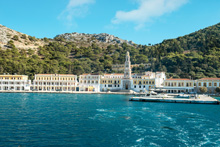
{"points": [[127, 70], [127, 80]]}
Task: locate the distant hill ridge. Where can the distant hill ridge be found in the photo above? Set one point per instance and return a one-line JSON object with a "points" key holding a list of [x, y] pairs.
{"points": [[80, 39], [102, 38]]}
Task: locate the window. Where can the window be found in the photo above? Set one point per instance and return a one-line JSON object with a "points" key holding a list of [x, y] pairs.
{"points": [[210, 84], [109, 85], [204, 84], [215, 84], [134, 86], [139, 86], [199, 84]]}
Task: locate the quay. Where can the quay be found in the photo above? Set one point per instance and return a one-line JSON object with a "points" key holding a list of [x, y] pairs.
{"points": [[202, 99], [69, 92]]}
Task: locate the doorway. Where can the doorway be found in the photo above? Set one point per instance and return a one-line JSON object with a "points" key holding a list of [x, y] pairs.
{"points": [[126, 86]]}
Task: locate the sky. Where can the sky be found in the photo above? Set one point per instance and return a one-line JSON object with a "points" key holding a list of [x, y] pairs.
{"points": [[141, 21]]}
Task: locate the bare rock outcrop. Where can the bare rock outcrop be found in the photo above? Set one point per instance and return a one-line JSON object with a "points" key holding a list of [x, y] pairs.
{"points": [[93, 38]]}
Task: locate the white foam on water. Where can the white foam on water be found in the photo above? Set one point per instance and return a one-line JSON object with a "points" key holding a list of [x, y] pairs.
{"points": [[101, 110], [145, 108], [140, 140], [154, 144]]}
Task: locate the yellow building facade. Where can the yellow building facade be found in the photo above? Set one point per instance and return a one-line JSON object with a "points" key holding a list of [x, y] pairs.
{"points": [[210, 83], [179, 85]]}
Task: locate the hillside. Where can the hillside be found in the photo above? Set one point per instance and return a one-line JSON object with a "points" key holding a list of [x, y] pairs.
{"points": [[193, 56], [21, 41], [85, 40]]}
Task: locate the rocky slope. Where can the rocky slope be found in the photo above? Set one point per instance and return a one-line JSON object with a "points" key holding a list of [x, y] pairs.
{"points": [[88, 39], [21, 41]]}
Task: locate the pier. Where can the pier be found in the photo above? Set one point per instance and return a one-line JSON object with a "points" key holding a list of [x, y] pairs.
{"points": [[202, 99]]}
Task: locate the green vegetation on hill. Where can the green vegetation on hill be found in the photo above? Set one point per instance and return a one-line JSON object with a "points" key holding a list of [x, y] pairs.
{"points": [[192, 56]]}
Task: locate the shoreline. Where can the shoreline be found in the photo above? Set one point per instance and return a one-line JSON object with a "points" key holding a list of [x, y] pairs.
{"points": [[71, 92]]}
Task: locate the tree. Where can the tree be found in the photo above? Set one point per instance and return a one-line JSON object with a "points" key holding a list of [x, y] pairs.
{"points": [[203, 89], [217, 89]]}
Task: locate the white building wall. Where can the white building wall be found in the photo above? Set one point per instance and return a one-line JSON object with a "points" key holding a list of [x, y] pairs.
{"points": [[89, 82], [54, 83], [15, 85]]}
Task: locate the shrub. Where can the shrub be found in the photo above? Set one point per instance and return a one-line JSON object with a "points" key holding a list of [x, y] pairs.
{"points": [[32, 38], [23, 36], [10, 44], [15, 37], [46, 39]]}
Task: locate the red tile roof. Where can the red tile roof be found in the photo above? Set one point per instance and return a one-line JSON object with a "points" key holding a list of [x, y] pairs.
{"points": [[210, 79], [118, 74], [177, 79], [90, 74], [57, 74]]}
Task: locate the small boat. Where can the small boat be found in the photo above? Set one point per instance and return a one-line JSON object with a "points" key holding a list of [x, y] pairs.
{"points": [[182, 96]]}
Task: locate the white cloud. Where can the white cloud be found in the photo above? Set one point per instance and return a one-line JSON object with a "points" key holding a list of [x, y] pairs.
{"points": [[147, 10], [75, 8]]}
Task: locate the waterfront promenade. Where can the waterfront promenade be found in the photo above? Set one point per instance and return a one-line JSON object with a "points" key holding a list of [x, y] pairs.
{"points": [[201, 99], [70, 92]]}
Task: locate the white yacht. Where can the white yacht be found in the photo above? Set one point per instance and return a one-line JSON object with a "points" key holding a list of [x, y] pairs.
{"points": [[151, 95]]}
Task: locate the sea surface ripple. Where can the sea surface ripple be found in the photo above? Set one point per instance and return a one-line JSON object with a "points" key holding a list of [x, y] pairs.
{"points": [[28, 119]]}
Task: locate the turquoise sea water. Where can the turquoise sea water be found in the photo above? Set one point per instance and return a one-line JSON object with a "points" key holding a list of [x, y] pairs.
{"points": [[28, 119]]}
